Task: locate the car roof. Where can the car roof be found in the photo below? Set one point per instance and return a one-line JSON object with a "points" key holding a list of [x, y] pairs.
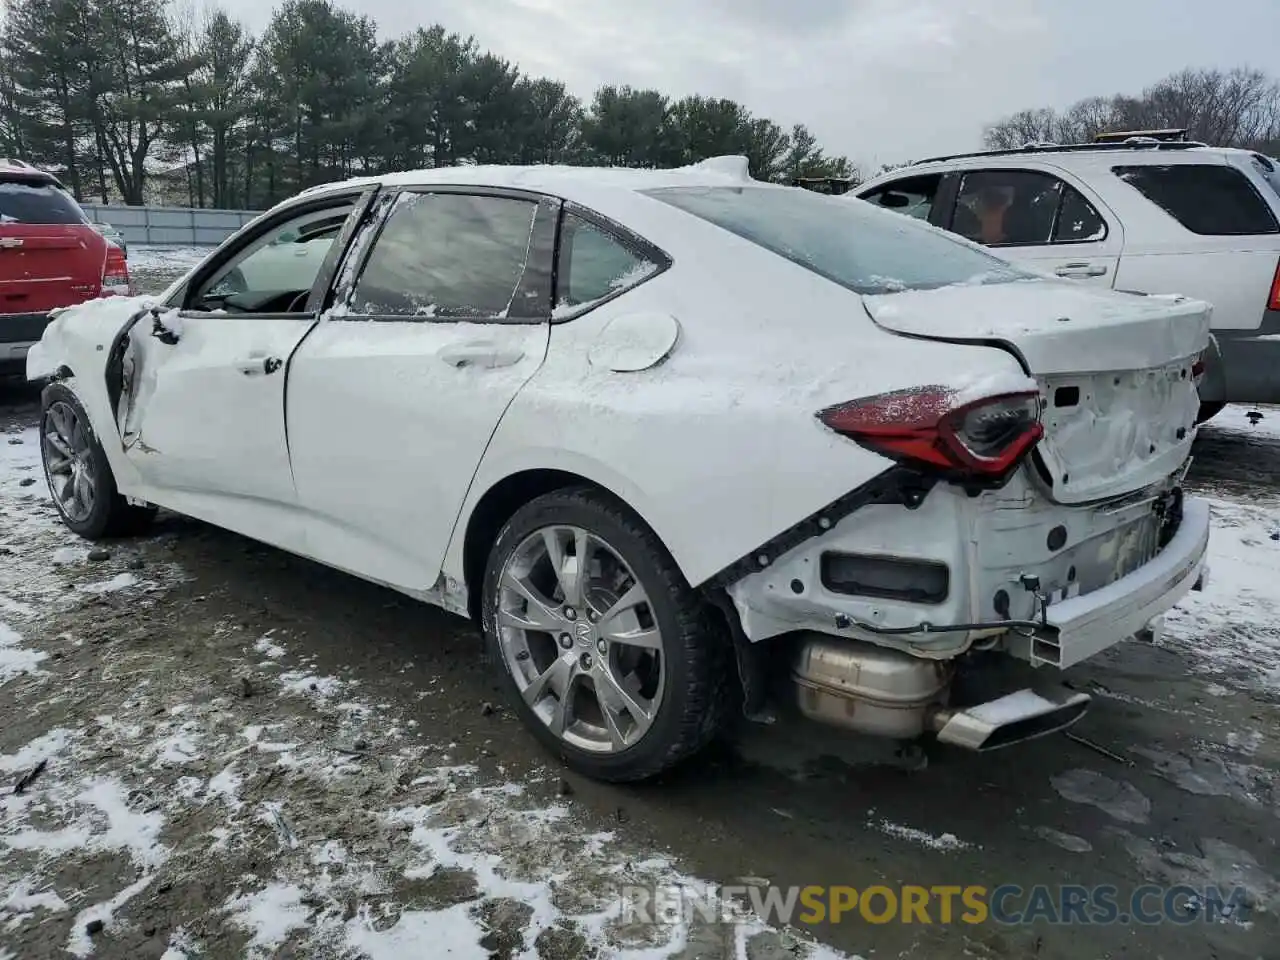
{"points": [[562, 180], [12, 170]]}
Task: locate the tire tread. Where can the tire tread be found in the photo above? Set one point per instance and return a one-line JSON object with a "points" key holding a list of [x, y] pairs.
{"points": [[699, 634]]}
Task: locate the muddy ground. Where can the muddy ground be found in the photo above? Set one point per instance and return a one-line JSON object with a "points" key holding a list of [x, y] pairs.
{"points": [[246, 754]]}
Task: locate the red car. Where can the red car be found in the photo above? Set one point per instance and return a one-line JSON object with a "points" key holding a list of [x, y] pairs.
{"points": [[50, 256]]}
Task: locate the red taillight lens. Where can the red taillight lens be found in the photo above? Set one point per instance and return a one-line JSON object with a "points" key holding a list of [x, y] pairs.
{"points": [[115, 274], [934, 426], [1274, 302], [1197, 369]]}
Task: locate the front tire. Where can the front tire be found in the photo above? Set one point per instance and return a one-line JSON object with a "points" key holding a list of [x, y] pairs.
{"points": [[1209, 410], [611, 659], [80, 480]]}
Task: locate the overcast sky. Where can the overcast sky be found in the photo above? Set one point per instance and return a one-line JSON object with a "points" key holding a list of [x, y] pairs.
{"points": [[878, 80]]}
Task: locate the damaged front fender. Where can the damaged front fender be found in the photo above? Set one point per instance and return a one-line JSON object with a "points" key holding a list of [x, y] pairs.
{"points": [[93, 342]]}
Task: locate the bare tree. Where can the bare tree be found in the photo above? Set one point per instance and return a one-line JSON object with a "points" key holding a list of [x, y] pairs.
{"points": [[1236, 108]]}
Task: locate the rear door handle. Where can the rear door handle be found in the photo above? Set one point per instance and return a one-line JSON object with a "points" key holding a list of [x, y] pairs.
{"points": [[1080, 270], [483, 354], [259, 366]]}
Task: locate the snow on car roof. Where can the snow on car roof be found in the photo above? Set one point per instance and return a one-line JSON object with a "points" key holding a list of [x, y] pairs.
{"points": [[562, 179]]}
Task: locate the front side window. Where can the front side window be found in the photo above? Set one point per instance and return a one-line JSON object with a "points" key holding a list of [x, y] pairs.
{"points": [[277, 270], [849, 242], [913, 196], [453, 256], [24, 201], [1207, 199], [1023, 208], [594, 265]]}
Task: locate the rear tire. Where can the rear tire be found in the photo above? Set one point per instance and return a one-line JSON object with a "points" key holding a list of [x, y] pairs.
{"points": [[1209, 410], [642, 664], [79, 475]]}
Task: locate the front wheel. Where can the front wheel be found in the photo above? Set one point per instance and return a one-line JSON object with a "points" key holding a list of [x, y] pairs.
{"points": [[611, 659], [81, 483], [1209, 410]]}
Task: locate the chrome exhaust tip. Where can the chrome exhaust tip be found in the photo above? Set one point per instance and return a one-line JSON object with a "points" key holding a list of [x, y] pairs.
{"points": [[1014, 718]]}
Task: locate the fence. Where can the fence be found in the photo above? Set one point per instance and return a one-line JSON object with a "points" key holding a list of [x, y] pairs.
{"points": [[170, 226]]}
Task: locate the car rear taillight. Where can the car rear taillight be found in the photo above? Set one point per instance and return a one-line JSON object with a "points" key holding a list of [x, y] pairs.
{"points": [[1274, 302], [115, 274], [935, 427]]}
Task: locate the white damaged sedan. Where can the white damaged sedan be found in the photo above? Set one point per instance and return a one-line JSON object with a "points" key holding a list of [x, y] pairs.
{"points": [[679, 441]]}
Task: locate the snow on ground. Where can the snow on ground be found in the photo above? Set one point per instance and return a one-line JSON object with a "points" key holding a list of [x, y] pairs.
{"points": [[170, 259], [1230, 629], [160, 798], [150, 804]]}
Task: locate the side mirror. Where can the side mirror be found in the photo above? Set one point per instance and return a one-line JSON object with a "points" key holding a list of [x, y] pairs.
{"points": [[894, 201]]}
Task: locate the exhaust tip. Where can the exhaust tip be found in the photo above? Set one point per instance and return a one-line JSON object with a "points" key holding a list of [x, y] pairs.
{"points": [[1015, 718]]}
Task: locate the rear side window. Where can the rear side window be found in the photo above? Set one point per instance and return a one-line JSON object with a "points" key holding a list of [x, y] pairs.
{"points": [[25, 202], [453, 256], [849, 242], [1208, 199], [594, 265]]}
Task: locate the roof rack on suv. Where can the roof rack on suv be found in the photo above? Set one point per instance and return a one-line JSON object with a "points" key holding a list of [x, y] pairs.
{"points": [[1167, 135], [1131, 142]]}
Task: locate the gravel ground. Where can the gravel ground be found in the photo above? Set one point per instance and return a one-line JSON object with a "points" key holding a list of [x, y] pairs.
{"points": [[242, 754]]}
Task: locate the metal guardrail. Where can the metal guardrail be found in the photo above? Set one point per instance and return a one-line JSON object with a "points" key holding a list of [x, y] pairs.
{"points": [[170, 226]]}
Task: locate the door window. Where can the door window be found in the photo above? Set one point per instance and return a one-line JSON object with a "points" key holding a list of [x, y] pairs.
{"points": [[1023, 208], [913, 196], [275, 271], [595, 265], [454, 256]]}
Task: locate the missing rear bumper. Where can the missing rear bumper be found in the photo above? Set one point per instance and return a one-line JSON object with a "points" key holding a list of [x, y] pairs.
{"points": [[1083, 626]]}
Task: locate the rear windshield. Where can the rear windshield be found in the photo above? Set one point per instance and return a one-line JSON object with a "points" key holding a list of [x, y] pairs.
{"points": [[850, 242], [25, 202], [1209, 199]]}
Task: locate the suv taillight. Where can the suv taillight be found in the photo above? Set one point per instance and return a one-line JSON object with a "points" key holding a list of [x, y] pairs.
{"points": [[1274, 302], [115, 274], [983, 439]]}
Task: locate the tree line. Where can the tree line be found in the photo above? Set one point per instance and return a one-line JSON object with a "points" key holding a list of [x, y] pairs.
{"points": [[108, 92], [1232, 108]]}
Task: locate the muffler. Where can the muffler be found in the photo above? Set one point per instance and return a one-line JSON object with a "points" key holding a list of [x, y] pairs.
{"points": [[887, 693], [1014, 718], [869, 689]]}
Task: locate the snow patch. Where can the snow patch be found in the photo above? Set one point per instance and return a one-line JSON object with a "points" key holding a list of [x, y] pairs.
{"points": [[945, 841], [16, 660], [264, 646], [121, 581], [269, 916], [299, 683], [68, 555]]}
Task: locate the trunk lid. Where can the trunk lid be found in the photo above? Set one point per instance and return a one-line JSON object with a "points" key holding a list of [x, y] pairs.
{"points": [[43, 267], [1114, 370]]}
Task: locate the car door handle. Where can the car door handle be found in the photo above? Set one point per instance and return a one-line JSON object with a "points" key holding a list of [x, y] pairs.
{"points": [[259, 366], [485, 355], [1078, 270]]}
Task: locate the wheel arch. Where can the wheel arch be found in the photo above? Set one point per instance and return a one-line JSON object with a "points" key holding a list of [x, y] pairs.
{"points": [[499, 503]]}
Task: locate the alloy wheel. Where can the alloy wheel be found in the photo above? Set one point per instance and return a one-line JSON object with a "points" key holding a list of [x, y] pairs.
{"points": [[69, 461], [579, 636]]}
